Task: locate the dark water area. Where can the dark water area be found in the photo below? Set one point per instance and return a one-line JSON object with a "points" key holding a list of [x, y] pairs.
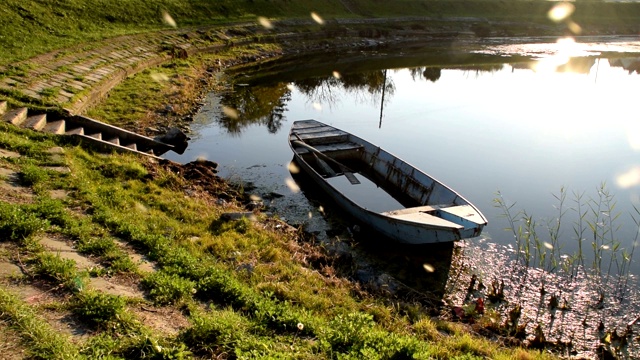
{"points": [[551, 125]]}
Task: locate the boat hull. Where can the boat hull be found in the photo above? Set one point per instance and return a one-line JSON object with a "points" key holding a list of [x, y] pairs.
{"points": [[427, 221]]}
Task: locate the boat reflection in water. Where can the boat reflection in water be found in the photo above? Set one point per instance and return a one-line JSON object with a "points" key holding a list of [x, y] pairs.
{"points": [[415, 273]]}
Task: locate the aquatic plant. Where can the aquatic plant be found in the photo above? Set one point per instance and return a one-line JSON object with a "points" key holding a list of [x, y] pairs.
{"points": [[593, 280]]}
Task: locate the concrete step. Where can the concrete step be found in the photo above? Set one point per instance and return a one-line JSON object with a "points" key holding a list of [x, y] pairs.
{"points": [[3, 107], [97, 135], [16, 116], [76, 131], [113, 140], [55, 127], [132, 146], [36, 122]]}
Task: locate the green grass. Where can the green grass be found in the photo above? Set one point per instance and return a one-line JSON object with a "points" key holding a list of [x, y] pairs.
{"points": [[245, 289], [38, 26]]}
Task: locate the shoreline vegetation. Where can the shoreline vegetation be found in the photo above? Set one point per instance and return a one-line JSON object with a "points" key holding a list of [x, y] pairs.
{"points": [[116, 256]]}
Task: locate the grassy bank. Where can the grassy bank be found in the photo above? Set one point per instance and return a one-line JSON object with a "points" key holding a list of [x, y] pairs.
{"points": [[38, 26], [238, 289]]}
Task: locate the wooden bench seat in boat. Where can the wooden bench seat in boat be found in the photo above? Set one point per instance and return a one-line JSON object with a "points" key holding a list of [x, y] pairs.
{"points": [[438, 215], [328, 148]]}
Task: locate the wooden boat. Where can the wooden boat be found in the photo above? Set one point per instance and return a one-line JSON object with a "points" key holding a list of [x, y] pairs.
{"points": [[429, 211]]}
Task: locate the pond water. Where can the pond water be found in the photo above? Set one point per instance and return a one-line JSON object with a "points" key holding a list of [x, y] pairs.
{"points": [[480, 123], [525, 119]]}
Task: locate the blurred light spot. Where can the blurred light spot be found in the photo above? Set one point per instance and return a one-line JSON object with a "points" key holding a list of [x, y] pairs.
{"points": [[428, 268], [321, 209], [290, 87], [633, 135], [141, 207], [630, 178], [317, 106], [230, 112], [265, 22], [548, 246], [561, 11], [317, 18], [254, 197], [605, 247], [292, 185], [159, 77], [310, 215], [336, 75], [574, 28], [167, 19], [293, 168], [201, 157]]}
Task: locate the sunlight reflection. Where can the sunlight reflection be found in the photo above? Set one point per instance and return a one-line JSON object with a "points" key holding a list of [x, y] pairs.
{"points": [[317, 18], [291, 184], [317, 106], [167, 19], [567, 48], [265, 22], [630, 178]]}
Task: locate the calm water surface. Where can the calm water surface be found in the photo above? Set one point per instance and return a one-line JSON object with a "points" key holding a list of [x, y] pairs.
{"points": [[563, 115], [525, 129]]}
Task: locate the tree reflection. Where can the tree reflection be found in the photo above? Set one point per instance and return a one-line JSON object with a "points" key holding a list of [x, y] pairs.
{"points": [[261, 104], [363, 86]]}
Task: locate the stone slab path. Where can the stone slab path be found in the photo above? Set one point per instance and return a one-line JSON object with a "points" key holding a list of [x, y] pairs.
{"points": [[77, 78]]}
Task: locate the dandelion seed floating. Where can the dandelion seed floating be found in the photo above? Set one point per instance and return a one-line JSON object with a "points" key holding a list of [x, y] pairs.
{"points": [[293, 168], [265, 22], [159, 77], [167, 19], [548, 246], [561, 12], [428, 268], [292, 185], [317, 18], [336, 75], [230, 112]]}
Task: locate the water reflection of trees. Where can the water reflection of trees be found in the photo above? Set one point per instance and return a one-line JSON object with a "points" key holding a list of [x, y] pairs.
{"points": [[261, 104], [362, 86]]}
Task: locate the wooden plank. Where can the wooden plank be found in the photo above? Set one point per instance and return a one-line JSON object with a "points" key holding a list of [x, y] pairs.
{"points": [[411, 210], [333, 147], [424, 218], [466, 212]]}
